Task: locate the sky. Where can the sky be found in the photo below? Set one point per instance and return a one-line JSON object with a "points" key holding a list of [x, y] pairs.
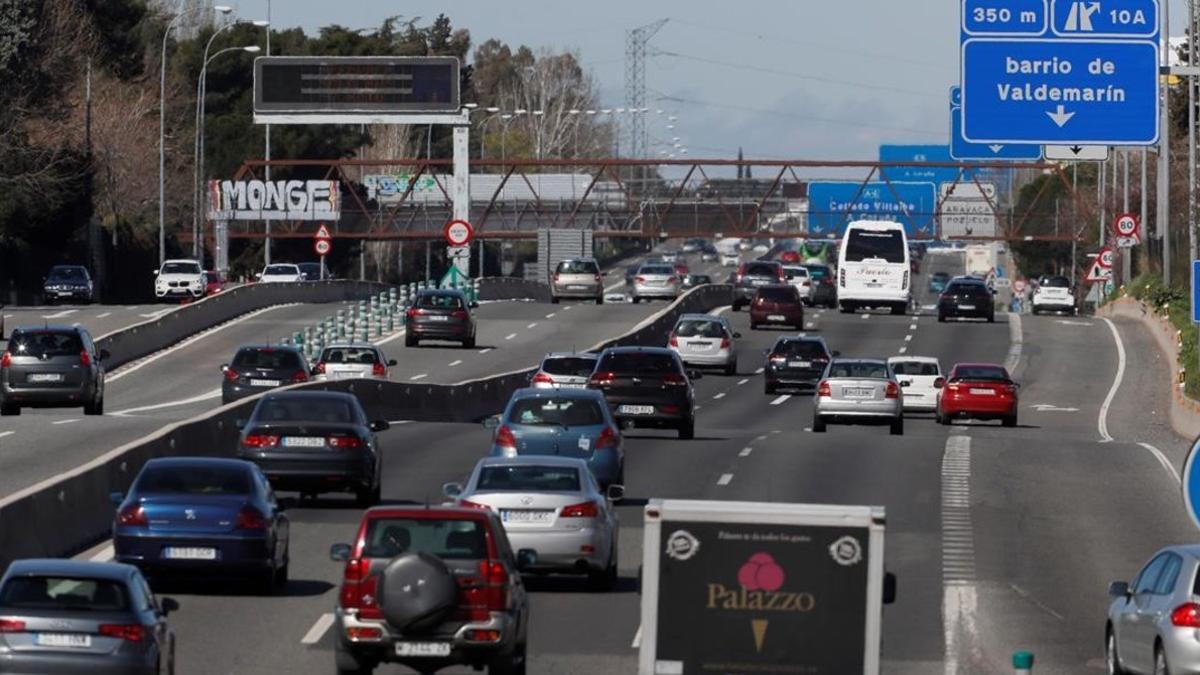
{"points": [[783, 79]]}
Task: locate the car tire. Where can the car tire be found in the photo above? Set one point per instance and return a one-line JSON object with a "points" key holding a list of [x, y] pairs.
{"points": [[9, 410], [1112, 660], [606, 579], [280, 581], [469, 343], [554, 299], [410, 340], [348, 663], [818, 426], [899, 309], [753, 326], [636, 299], [1010, 421], [1034, 311], [365, 497], [897, 428], [768, 389], [941, 318], [846, 308], [991, 317], [509, 664], [731, 369], [94, 408], [1161, 667], [944, 420], [687, 429], [599, 299]]}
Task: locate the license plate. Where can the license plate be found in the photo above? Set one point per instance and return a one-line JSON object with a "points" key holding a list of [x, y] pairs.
{"points": [[800, 364], [983, 392], [422, 649], [346, 374], [526, 516], [577, 287], [966, 306], [73, 640], [438, 317], [64, 294], [855, 392], [636, 409], [189, 553], [776, 317], [264, 383], [568, 385], [303, 442], [44, 377]]}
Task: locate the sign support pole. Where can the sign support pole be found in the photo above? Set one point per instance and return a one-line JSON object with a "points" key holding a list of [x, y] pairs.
{"points": [[1163, 216], [461, 255]]}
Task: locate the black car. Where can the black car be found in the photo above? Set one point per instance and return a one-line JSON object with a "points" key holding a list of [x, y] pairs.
{"points": [[824, 293], [796, 362], [752, 275], [314, 442], [966, 297], [440, 315], [68, 282], [647, 387], [52, 367], [259, 368], [312, 271]]}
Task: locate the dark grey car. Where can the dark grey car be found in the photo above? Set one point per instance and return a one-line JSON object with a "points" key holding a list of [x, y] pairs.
{"points": [[52, 367], [440, 315], [259, 368], [753, 275], [68, 282], [66, 616]]}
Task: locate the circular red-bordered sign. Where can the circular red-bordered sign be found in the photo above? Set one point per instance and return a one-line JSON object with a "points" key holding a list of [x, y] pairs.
{"points": [[1126, 225], [458, 232], [322, 246]]}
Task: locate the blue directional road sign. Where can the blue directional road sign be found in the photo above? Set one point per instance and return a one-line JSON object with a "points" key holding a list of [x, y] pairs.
{"points": [[834, 204], [1105, 18], [1191, 484], [1004, 18], [919, 174], [961, 150]]}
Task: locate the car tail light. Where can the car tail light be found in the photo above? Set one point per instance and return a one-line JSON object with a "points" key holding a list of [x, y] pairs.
{"points": [[608, 440], [413, 312], [5, 360], [639, 279], [675, 380], [483, 635], [495, 576], [378, 370], [319, 368], [505, 439], [674, 341], [827, 281], [132, 632], [725, 343], [358, 589], [85, 359], [581, 510], [823, 389], [952, 387], [231, 374], [344, 442], [472, 505], [460, 314], [542, 378], [601, 379], [133, 515], [299, 376], [1186, 615], [12, 626], [260, 441], [250, 518], [893, 390], [777, 358]]}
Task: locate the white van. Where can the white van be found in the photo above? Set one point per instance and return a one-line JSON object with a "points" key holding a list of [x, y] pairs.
{"points": [[873, 267]]}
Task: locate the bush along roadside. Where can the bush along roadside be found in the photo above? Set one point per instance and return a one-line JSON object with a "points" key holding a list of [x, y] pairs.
{"points": [[1172, 304]]}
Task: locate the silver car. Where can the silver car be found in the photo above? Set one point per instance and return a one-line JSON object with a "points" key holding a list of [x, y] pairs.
{"points": [[656, 281], [705, 340], [578, 278], [858, 391], [1153, 620], [797, 275], [350, 361], [565, 370], [552, 505]]}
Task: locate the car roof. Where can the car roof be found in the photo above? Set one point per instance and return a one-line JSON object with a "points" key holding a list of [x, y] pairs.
{"points": [[187, 462], [69, 267], [50, 327], [912, 359], [968, 279], [579, 259], [181, 260], [309, 395], [75, 568], [661, 351], [800, 338], [979, 365], [531, 392], [425, 512], [702, 317], [441, 291], [534, 460], [570, 355], [842, 359], [350, 345]]}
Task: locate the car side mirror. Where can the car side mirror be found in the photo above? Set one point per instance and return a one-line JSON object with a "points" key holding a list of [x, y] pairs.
{"points": [[452, 490], [339, 552], [116, 498], [380, 425], [314, 371], [889, 588], [167, 606], [104, 355], [526, 559], [492, 422], [391, 362], [616, 492], [1118, 589], [737, 336]]}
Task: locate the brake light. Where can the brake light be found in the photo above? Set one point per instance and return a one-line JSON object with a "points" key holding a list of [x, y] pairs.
{"points": [[12, 626], [674, 341], [952, 387], [85, 359], [893, 390], [640, 280], [542, 378], [133, 515], [460, 314], [344, 442], [231, 374], [601, 379], [505, 439], [250, 518], [777, 358], [581, 510], [675, 380], [472, 505], [413, 312], [608, 440], [495, 575], [260, 441], [823, 389], [378, 370], [5, 360], [1186, 615], [359, 588], [133, 632], [300, 376], [320, 368], [725, 343]]}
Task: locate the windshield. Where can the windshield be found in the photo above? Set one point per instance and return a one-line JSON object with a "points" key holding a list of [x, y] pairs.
{"points": [[461, 539], [44, 344], [887, 245], [968, 288], [700, 328], [578, 267], [67, 274], [635, 362], [576, 366], [817, 271], [556, 412], [981, 373], [914, 368], [266, 358], [529, 479], [281, 270], [760, 270], [57, 593], [360, 355], [194, 480], [859, 369], [181, 268], [307, 409]]}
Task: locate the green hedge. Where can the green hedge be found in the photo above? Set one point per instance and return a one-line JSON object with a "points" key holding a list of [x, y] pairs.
{"points": [[1172, 303]]}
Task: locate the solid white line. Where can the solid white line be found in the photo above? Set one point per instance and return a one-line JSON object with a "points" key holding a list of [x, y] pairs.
{"points": [[1162, 459], [6, 433], [637, 639], [532, 325], [313, 636], [1102, 424], [455, 363], [781, 399], [215, 393], [104, 315], [725, 479], [510, 336], [70, 421], [551, 315], [719, 396], [741, 382], [419, 377], [484, 351], [103, 555], [746, 451]]}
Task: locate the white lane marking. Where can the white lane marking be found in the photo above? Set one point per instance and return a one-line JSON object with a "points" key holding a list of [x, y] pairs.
{"points": [[781, 399], [532, 325], [419, 377], [59, 315], [510, 336], [551, 315], [104, 315], [484, 351], [6, 433], [763, 437], [1016, 342], [743, 381], [746, 451], [455, 363], [103, 555], [759, 371], [719, 396], [1035, 602], [8, 316], [908, 338], [725, 479], [1162, 459], [155, 315], [132, 368], [810, 325], [395, 422], [215, 393], [70, 421], [928, 307], [568, 307], [866, 316], [637, 639], [959, 596], [398, 334], [912, 326], [76, 324], [902, 350], [314, 634], [1102, 424], [699, 407]]}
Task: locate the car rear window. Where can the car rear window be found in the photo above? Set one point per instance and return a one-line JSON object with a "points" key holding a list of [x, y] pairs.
{"points": [[75, 594], [804, 348], [555, 412], [1056, 282], [788, 294], [968, 288], [529, 478], [760, 270], [914, 368], [44, 343], [986, 373], [698, 279], [281, 269], [796, 272], [444, 538], [194, 480], [887, 245], [575, 366], [439, 301], [635, 362], [817, 271], [273, 359], [361, 355], [657, 269], [699, 328], [578, 267], [306, 409], [869, 370]]}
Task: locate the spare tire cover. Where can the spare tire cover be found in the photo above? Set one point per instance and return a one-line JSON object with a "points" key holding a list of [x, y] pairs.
{"points": [[417, 591]]}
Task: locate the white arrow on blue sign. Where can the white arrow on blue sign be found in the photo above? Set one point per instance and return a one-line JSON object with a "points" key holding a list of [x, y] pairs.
{"points": [[962, 150]]}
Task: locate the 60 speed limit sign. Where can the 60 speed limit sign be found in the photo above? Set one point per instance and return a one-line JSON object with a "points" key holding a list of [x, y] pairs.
{"points": [[1105, 259], [322, 246]]}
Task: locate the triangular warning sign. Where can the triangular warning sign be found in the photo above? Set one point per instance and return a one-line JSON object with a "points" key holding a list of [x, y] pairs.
{"points": [[323, 233]]}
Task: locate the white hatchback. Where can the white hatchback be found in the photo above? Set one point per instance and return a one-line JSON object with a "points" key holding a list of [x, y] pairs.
{"points": [[798, 276], [280, 273], [921, 378]]}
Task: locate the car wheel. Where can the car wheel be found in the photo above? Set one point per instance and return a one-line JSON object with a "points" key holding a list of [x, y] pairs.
{"points": [[941, 318], [469, 343], [10, 409], [1034, 311], [1161, 667], [606, 579], [991, 317], [1010, 421], [846, 308], [731, 369], [281, 576], [410, 340], [364, 497], [348, 663], [768, 388], [94, 408], [554, 299], [818, 426], [636, 299], [753, 326], [898, 427], [1111, 659], [899, 309], [599, 299], [509, 664], [944, 420], [687, 430]]}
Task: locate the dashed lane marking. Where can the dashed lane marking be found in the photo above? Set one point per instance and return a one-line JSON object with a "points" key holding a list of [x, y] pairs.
{"points": [[781, 399], [742, 381], [59, 315], [902, 350], [484, 351], [719, 396], [215, 393], [419, 377], [6, 433], [746, 451], [510, 336], [455, 363], [314, 634], [104, 315], [70, 421], [908, 338], [551, 315], [725, 479], [866, 316], [532, 325], [637, 639], [759, 371]]}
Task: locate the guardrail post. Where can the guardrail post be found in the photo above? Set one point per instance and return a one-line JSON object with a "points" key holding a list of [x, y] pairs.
{"points": [[1023, 663]]}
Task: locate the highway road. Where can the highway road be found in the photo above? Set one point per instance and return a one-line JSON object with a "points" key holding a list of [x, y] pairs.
{"points": [[100, 320]]}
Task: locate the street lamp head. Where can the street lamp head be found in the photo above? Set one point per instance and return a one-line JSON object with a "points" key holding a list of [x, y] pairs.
{"points": [[645, 110], [470, 106], [260, 23], [520, 111], [573, 111], [253, 49], [620, 110], [506, 117], [590, 112], [539, 112], [606, 111], [492, 109], [224, 9]]}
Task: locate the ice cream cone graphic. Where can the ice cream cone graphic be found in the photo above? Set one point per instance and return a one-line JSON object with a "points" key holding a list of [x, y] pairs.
{"points": [[759, 626]]}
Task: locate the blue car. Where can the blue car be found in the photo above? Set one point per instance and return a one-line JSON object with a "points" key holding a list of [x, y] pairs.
{"points": [[199, 515], [563, 422]]}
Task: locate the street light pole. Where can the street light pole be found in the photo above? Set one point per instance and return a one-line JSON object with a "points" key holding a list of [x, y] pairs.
{"points": [[483, 130], [267, 156]]}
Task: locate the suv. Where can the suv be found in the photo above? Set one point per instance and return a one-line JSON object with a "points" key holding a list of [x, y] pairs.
{"points": [[966, 297], [750, 276], [796, 362], [440, 315], [259, 368], [777, 305], [52, 366], [647, 387], [180, 279], [824, 292], [430, 588], [68, 282], [577, 278], [1054, 294]]}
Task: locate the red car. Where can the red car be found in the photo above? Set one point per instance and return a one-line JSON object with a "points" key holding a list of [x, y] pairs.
{"points": [[790, 257], [777, 304], [214, 282], [681, 268], [980, 391]]}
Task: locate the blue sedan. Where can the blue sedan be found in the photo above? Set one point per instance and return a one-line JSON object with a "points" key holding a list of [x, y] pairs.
{"points": [[199, 515], [564, 422]]}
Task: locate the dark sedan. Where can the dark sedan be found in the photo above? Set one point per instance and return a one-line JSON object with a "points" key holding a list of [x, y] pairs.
{"points": [[752, 275], [647, 387], [201, 515], [314, 442], [259, 368], [440, 315], [966, 297], [68, 616], [68, 282], [796, 362]]}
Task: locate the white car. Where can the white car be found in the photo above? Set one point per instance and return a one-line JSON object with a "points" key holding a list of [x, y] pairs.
{"points": [[1053, 294], [798, 276], [730, 259], [704, 340], [351, 360], [921, 378], [180, 279], [280, 273]]}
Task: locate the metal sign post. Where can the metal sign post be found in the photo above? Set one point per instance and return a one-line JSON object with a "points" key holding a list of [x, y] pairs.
{"points": [[322, 245]]}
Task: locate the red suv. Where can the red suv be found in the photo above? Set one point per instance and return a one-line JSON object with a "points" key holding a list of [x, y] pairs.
{"points": [[778, 305], [430, 588]]}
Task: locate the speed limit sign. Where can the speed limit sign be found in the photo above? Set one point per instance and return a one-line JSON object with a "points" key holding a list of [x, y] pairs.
{"points": [[458, 232], [1128, 230], [322, 246], [1105, 259]]}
